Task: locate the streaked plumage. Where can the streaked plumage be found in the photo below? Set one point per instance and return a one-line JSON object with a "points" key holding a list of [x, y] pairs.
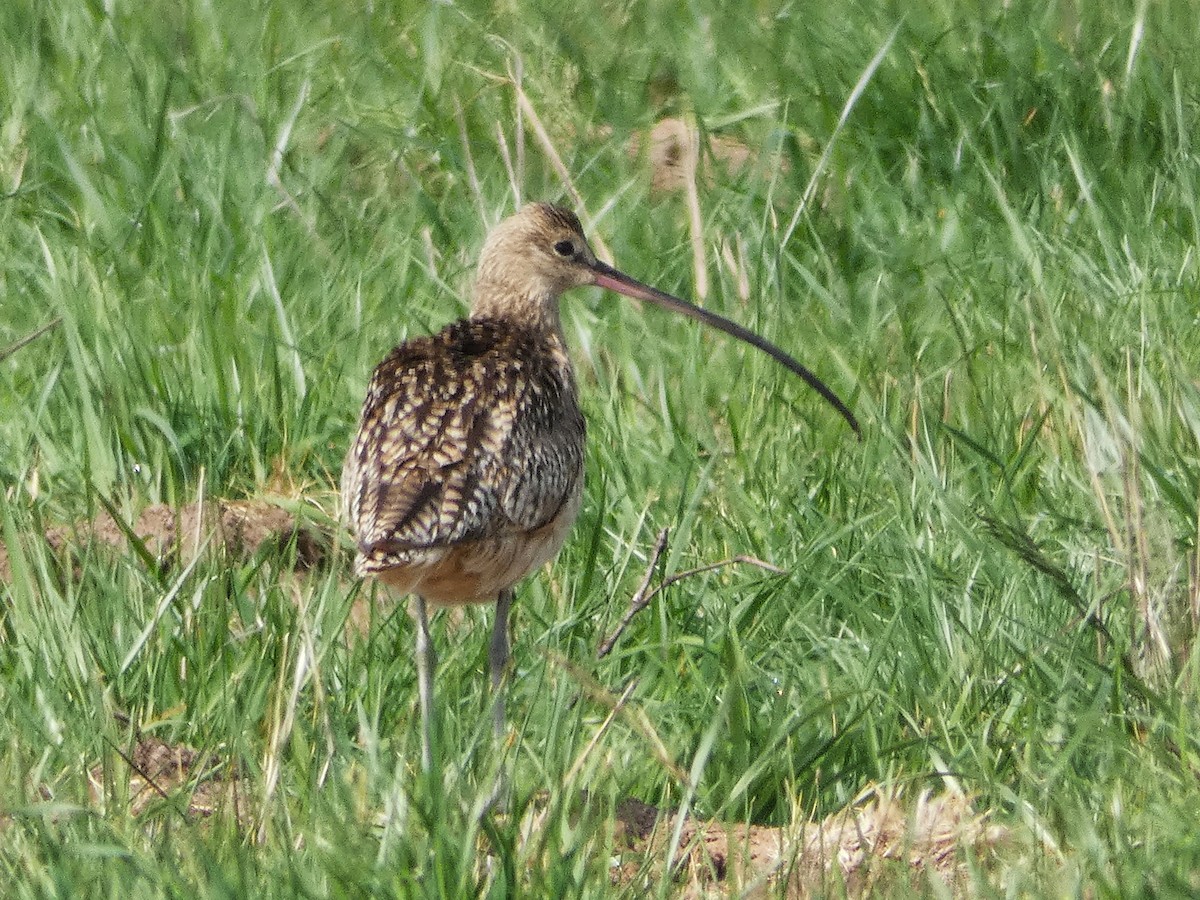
{"points": [[468, 466], [467, 470]]}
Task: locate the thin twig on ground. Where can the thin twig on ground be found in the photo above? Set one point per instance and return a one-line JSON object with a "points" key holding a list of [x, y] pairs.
{"points": [[640, 599], [30, 338], [644, 594]]}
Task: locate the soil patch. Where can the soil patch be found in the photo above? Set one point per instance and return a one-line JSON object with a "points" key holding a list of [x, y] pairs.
{"points": [[158, 773], [240, 528], [886, 839]]}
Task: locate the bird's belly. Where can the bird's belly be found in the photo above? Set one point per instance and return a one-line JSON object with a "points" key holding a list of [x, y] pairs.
{"points": [[477, 571]]}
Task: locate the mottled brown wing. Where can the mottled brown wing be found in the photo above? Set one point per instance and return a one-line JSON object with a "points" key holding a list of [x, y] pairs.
{"points": [[458, 441], [544, 456], [412, 477]]}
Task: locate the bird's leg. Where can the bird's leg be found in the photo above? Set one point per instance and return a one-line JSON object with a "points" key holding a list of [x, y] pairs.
{"points": [[426, 663], [497, 662], [498, 658]]}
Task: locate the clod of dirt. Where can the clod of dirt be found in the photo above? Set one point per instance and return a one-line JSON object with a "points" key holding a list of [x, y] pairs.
{"points": [[239, 527], [882, 842], [886, 836], [666, 148], [168, 773]]}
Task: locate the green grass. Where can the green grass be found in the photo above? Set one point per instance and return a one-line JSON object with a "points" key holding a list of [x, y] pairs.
{"points": [[997, 267]]}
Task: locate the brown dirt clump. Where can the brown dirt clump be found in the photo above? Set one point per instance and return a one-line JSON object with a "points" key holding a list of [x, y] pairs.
{"points": [[861, 849], [238, 527], [666, 149], [171, 774]]}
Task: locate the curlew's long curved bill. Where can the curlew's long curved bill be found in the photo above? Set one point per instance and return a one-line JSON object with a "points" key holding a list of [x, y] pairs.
{"points": [[609, 278]]}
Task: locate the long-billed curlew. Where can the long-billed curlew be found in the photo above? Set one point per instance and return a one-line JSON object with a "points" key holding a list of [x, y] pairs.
{"points": [[467, 470]]}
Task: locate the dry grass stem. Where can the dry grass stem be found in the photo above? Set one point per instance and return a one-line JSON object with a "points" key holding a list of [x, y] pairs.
{"points": [[29, 338], [644, 594]]}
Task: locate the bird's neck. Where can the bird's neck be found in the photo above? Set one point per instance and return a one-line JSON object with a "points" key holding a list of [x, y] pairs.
{"points": [[536, 310]]}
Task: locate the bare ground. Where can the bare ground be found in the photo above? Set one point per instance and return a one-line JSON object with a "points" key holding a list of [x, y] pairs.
{"points": [[239, 528]]}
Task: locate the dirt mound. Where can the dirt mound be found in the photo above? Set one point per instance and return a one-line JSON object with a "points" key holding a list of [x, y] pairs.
{"points": [[195, 783], [666, 147], [238, 527], [882, 841]]}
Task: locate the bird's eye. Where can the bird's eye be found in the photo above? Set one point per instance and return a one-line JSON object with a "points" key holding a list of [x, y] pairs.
{"points": [[564, 248]]}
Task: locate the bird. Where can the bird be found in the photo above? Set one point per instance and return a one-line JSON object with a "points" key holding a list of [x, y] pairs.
{"points": [[466, 472]]}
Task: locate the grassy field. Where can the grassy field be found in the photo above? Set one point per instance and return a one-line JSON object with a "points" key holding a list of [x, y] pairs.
{"points": [[977, 222]]}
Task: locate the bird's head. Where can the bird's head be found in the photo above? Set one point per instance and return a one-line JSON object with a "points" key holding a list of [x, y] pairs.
{"points": [[530, 258], [527, 261]]}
